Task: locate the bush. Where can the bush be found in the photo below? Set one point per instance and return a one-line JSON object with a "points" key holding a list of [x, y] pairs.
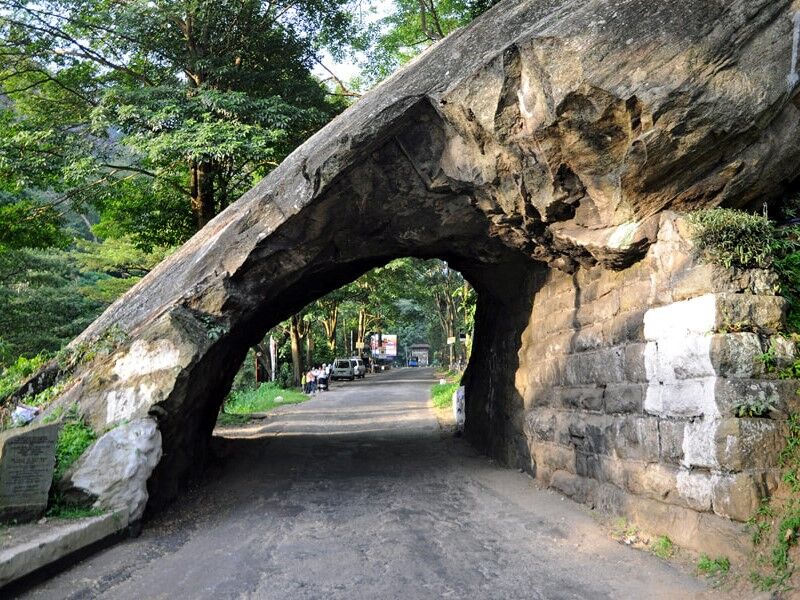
{"points": [[15, 374], [73, 440], [442, 394], [734, 238]]}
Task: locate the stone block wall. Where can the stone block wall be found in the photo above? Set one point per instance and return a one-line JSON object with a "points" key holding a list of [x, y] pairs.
{"points": [[630, 382]]}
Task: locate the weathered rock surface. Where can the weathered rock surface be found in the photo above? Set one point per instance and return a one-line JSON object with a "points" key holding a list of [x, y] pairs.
{"points": [[114, 470], [548, 135]]}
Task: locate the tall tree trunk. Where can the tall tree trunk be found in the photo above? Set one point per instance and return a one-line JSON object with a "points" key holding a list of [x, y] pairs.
{"points": [[362, 324], [202, 191], [294, 333], [329, 322], [263, 361], [309, 348]]}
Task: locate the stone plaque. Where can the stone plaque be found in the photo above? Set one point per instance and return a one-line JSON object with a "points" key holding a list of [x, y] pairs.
{"points": [[27, 458]]}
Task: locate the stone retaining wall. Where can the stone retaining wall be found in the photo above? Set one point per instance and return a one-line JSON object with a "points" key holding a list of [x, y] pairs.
{"points": [[629, 382]]}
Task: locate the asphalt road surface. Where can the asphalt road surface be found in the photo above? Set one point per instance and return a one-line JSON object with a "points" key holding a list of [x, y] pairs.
{"points": [[358, 493]]}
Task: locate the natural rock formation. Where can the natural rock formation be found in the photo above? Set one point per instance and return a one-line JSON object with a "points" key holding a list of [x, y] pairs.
{"points": [[534, 149], [113, 472]]}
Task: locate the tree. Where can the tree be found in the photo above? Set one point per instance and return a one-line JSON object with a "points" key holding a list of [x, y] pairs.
{"points": [[413, 26], [169, 108], [43, 288]]}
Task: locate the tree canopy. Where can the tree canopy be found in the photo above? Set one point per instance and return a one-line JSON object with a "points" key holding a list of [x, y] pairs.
{"points": [[126, 126]]}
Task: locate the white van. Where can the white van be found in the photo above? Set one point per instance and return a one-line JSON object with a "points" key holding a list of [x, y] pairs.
{"points": [[359, 368], [343, 368]]}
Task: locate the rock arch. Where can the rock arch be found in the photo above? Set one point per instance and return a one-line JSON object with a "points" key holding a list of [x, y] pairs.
{"points": [[541, 150]]}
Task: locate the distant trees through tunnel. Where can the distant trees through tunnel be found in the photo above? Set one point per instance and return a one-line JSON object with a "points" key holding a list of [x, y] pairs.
{"points": [[378, 317]]}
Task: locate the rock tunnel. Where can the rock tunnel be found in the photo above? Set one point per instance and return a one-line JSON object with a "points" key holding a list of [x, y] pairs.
{"points": [[547, 152]]}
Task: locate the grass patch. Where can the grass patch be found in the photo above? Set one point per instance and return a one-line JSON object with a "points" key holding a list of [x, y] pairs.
{"points": [[663, 547], [73, 440], [60, 509], [262, 399], [442, 394], [713, 566]]}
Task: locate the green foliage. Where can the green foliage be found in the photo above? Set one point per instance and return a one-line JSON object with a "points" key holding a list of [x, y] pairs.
{"points": [[41, 287], [760, 523], [13, 376], [734, 238], [246, 402], [787, 266], [746, 406], [442, 394], [61, 509], [713, 566], [786, 538], [776, 523], [790, 455], [46, 396], [63, 291], [410, 28], [284, 379], [663, 547], [73, 440], [152, 111], [28, 224]]}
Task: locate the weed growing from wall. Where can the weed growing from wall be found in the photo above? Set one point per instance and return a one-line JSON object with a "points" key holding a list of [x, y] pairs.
{"points": [[775, 525], [73, 440]]}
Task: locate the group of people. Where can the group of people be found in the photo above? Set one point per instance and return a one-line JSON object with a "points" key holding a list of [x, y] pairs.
{"points": [[316, 379]]}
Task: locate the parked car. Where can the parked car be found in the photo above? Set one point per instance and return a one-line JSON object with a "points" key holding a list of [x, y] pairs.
{"points": [[359, 368], [412, 362], [343, 368]]}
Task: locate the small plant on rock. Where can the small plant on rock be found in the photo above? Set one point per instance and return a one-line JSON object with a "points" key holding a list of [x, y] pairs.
{"points": [[73, 440], [663, 547], [624, 531], [713, 566], [753, 407]]}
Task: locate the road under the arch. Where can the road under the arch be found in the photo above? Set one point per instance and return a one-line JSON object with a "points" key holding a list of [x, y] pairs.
{"points": [[359, 493]]}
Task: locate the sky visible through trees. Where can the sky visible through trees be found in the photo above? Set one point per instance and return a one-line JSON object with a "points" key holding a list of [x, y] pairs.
{"points": [[126, 126]]}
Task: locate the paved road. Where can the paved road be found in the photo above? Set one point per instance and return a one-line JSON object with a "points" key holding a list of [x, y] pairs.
{"points": [[359, 494]]}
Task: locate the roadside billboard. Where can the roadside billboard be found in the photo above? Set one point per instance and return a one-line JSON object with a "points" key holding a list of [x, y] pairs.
{"points": [[386, 347]]}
